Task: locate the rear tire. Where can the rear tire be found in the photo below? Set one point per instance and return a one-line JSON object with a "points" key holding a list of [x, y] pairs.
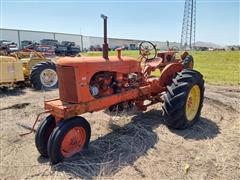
{"points": [[44, 76], [184, 99], [188, 62], [43, 133], [68, 138]]}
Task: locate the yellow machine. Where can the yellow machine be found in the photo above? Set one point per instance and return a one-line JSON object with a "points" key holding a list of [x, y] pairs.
{"points": [[28, 66], [11, 70]]}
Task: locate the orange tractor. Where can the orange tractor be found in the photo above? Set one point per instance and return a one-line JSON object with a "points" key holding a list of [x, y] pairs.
{"points": [[88, 84]]}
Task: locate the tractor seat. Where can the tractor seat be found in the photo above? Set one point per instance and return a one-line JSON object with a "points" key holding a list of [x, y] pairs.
{"points": [[155, 62], [151, 66]]}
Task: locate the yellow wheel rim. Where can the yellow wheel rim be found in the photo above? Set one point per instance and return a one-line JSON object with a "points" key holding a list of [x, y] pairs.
{"points": [[193, 101]]}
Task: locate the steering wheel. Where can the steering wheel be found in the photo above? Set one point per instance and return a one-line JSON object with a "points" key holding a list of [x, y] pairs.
{"points": [[147, 50]]}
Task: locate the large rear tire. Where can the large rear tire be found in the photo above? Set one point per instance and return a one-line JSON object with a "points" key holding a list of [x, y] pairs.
{"points": [[184, 99], [44, 76], [188, 62], [43, 133], [68, 138]]}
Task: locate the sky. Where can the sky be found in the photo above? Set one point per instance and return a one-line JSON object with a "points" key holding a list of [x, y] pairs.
{"points": [[160, 20]]}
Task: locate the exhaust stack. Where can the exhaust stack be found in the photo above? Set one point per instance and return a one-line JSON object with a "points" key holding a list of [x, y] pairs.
{"points": [[105, 44]]}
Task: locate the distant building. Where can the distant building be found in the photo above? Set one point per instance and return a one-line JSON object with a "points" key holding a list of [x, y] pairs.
{"points": [[84, 42]]}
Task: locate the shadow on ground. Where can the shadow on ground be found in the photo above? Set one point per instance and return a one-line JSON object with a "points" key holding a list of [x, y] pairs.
{"points": [[111, 152], [16, 106], [203, 129], [124, 145], [12, 91]]}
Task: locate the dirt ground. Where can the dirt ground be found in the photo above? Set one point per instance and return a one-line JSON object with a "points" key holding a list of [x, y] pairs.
{"points": [[128, 146]]}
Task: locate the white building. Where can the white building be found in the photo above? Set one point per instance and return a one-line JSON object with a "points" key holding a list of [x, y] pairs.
{"points": [[80, 40]]}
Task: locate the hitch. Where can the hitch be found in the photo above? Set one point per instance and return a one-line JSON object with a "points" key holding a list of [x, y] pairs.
{"points": [[32, 129]]}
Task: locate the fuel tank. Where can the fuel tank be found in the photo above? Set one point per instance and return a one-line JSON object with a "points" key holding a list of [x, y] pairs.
{"points": [[75, 73]]}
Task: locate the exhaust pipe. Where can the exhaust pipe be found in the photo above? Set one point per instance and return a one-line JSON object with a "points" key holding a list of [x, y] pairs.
{"points": [[105, 44]]}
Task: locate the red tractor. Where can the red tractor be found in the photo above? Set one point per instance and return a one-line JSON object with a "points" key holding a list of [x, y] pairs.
{"points": [[89, 84]]}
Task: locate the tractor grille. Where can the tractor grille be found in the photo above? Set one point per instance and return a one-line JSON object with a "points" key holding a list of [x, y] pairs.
{"points": [[67, 84]]}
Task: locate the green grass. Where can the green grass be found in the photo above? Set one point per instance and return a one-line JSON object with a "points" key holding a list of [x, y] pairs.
{"points": [[217, 67], [113, 53]]}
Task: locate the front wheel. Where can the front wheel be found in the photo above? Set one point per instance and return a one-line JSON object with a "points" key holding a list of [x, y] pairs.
{"points": [[184, 99], [42, 134], [68, 138]]}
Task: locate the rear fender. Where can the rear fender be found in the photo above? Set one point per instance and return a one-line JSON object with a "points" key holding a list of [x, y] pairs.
{"points": [[33, 62], [169, 72]]}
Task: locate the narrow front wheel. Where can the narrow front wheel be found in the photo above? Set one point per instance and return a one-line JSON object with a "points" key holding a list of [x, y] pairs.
{"points": [[68, 138], [43, 133]]}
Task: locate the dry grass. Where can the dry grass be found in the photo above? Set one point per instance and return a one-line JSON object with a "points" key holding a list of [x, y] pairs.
{"points": [[115, 150], [131, 145]]}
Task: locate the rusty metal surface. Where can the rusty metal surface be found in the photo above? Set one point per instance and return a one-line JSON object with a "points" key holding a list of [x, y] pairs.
{"points": [[169, 72], [75, 75], [84, 69], [64, 110]]}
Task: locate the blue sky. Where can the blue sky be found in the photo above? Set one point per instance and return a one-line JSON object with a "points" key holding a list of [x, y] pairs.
{"points": [[217, 20]]}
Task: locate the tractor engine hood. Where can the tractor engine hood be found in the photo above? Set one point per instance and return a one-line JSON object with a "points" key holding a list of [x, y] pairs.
{"points": [[75, 73], [95, 64]]}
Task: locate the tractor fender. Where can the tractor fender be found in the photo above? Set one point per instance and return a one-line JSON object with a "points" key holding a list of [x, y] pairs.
{"points": [[169, 72], [33, 62]]}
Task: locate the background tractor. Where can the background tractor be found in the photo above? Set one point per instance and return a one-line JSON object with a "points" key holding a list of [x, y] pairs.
{"points": [[22, 67], [89, 84]]}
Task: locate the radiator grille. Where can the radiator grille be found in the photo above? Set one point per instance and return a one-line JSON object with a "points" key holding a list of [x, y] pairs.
{"points": [[67, 84]]}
